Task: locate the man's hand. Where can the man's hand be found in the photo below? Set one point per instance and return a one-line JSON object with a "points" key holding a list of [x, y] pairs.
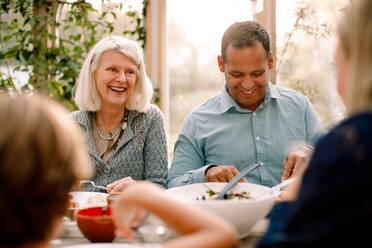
{"points": [[222, 173], [294, 160]]}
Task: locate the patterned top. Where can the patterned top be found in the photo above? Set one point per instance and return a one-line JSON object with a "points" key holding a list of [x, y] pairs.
{"points": [[334, 206], [220, 132], [142, 151]]}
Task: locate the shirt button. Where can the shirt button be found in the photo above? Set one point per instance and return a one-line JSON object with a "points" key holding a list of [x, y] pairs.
{"points": [[106, 169], [257, 138]]}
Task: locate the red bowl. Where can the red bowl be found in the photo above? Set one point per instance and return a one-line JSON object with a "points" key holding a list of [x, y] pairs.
{"points": [[96, 225]]}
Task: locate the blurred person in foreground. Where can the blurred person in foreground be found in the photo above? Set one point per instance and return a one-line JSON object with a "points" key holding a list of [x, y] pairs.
{"points": [[251, 121], [332, 207], [42, 156], [195, 227], [125, 134]]}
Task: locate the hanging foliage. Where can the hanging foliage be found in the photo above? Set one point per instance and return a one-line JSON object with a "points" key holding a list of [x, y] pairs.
{"points": [[47, 40]]}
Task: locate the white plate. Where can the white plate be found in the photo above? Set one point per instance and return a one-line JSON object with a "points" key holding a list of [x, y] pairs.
{"points": [[117, 245], [89, 199]]}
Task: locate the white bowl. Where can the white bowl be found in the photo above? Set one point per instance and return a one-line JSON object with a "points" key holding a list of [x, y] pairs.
{"points": [[85, 200], [242, 214], [89, 199]]}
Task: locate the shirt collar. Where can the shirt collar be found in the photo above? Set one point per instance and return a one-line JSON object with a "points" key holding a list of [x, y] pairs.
{"points": [[272, 91], [227, 102]]}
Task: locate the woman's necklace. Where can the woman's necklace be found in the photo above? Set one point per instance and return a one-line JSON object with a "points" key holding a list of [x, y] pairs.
{"points": [[123, 126]]}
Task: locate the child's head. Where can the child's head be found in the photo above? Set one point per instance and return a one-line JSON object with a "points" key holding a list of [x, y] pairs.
{"points": [[42, 156]]}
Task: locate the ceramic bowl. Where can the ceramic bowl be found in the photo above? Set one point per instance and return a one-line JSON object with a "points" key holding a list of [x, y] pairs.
{"points": [[81, 199], [96, 224], [242, 214]]}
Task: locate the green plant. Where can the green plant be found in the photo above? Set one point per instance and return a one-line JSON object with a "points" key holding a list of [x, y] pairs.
{"points": [[48, 39]]}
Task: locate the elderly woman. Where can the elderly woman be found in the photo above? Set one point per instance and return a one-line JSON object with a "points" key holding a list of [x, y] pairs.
{"points": [[125, 134], [42, 157]]}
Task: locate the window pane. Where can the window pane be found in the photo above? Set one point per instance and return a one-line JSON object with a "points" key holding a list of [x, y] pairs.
{"points": [[194, 30]]}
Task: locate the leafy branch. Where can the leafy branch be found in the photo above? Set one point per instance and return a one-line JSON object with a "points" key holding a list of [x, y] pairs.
{"points": [[48, 40]]}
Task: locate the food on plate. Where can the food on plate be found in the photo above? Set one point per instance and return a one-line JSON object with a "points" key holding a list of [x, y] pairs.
{"points": [[87, 200], [95, 201], [212, 195]]}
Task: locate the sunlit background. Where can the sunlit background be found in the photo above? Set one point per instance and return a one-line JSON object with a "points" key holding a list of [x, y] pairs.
{"points": [[305, 45], [304, 50]]}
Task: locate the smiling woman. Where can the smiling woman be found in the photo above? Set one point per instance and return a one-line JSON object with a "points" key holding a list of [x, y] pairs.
{"points": [[125, 133], [115, 79]]}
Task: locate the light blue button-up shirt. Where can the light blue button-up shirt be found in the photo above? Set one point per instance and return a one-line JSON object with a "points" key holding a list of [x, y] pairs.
{"points": [[220, 132]]}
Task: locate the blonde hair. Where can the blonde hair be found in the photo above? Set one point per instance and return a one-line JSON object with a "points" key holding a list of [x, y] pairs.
{"points": [[86, 95], [42, 156], [355, 35]]}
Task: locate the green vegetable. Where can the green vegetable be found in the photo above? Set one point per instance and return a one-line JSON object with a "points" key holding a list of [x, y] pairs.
{"points": [[211, 192]]}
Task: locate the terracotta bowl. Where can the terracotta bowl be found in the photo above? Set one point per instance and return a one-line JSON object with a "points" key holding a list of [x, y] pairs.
{"points": [[96, 224]]}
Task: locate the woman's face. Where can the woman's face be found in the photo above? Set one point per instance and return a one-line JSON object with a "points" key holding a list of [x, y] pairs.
{"points": [[115, 79], [342, 71]]}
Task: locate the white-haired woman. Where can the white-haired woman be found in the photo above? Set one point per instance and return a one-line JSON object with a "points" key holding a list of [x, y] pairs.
{"points": [[125, 133]]}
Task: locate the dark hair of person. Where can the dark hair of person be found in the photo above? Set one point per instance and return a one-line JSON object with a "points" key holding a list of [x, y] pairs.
{"points": [[243, 34], [38, 164]]}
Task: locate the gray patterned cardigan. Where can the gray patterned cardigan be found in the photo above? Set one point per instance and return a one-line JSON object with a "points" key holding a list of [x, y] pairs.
{"points": [[142, 151]]}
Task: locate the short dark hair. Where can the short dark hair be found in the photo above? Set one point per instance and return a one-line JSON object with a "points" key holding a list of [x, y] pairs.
{"points": [[242, 34]]}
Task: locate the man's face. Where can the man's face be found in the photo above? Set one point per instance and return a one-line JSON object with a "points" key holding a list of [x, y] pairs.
{"points": [[246, 73]]}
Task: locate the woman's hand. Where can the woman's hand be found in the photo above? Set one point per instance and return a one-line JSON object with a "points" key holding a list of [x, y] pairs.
{"points": [[296, 159], [291, 191], [120, 185]]}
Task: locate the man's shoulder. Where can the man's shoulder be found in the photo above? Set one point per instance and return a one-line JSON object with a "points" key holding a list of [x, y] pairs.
{"points": [[210, 106], [204, 111], [288, 92], [291, 95]]}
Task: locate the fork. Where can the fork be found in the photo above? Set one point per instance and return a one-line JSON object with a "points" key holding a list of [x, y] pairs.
{"points": [[94, 185]]}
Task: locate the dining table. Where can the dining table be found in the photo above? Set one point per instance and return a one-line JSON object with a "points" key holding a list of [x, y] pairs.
{"points": [[71, 236]]}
